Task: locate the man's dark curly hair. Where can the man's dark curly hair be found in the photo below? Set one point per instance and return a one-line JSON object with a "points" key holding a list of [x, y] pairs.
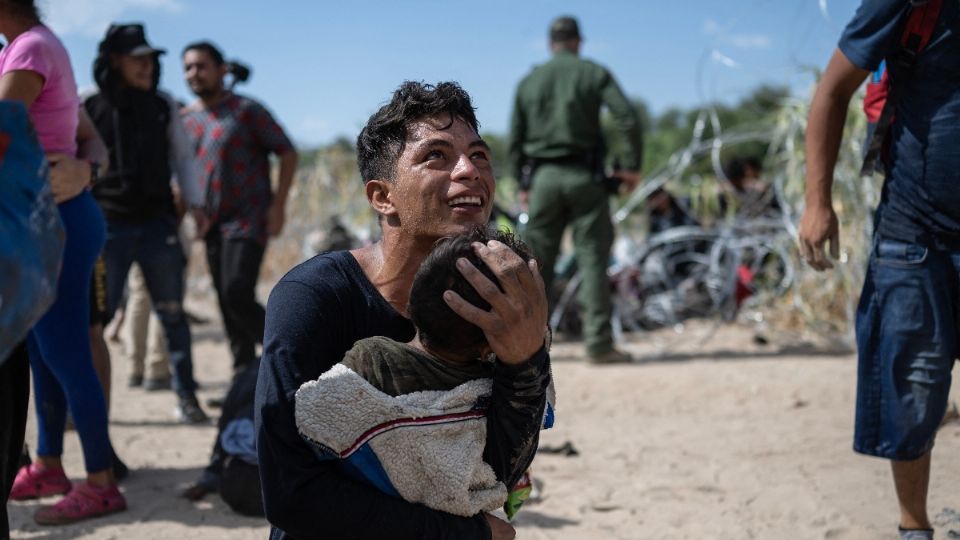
{"points": [[382, 140], [439, 327]]}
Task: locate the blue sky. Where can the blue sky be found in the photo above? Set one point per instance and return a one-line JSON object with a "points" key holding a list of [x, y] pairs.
{"points": [[324, 67]]}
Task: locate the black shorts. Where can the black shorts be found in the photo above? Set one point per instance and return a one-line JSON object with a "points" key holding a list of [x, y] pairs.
{"points": [[98, 294]]}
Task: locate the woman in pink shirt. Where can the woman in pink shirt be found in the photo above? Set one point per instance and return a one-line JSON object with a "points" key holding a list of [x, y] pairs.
{"points": [[35, 69]]}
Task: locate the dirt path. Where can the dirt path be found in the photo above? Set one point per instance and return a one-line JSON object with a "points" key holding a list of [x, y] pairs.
{"points": [[728, 440]]}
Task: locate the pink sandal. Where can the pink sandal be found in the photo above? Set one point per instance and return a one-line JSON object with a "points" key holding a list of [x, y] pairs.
{"points": [[84, 501], [32, 483]]}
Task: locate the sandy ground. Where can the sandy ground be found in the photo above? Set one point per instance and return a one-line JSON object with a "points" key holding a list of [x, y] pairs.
{"points": [[720, 440]]}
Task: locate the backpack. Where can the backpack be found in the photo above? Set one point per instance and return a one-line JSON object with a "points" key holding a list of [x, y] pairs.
{"points": [[887, 82], [31, 233]]}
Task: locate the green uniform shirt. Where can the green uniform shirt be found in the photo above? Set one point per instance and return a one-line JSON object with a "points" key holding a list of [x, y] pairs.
{"points": [[557, 112]]}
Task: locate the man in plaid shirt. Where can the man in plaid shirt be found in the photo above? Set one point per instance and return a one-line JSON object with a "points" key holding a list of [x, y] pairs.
{"points": [[233, 137]]}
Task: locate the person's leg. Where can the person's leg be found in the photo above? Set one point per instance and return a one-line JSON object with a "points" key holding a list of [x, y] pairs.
{"points": [[45, 476], [592, 239], [239, 270], [98, 317], [101, 359], [14, 400], [157, 361], [162, 263], [907, 342], [118, 255], [548, 217], [63, 340], [137, 314], [51, 407], [98, 345], [912, 479], [215, 245]]}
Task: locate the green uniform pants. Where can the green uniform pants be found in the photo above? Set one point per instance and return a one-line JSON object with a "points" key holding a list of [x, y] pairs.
{"points": [[565, 195]]}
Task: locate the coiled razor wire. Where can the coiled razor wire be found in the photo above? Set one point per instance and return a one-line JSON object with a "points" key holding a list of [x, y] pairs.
{"points": [[824, 301]]}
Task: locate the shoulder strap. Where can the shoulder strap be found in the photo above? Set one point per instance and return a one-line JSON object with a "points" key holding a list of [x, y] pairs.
{"points": [[916, 35]]}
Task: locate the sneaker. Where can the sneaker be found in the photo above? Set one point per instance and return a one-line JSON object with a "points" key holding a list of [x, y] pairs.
{"points": [[84, 501], [189, 412], [32, 483], [153, 385], [134, 381], [613, 356]]}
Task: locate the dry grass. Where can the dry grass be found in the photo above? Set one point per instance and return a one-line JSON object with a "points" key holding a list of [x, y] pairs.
{"points": [[329, 186]]}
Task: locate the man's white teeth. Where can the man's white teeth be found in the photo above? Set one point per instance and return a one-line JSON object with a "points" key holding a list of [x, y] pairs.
{"points": [[465, 200]]}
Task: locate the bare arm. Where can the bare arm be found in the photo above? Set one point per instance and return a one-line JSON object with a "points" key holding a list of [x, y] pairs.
{"points": [[828, 112], [21, 85], [288, 166], [276, 213]]}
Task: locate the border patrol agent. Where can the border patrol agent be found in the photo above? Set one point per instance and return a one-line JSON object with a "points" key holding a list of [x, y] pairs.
{"points": [[556, 150]]}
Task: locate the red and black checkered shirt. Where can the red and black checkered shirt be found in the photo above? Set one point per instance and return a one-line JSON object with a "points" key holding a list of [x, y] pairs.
{"points": [[233, 141]]}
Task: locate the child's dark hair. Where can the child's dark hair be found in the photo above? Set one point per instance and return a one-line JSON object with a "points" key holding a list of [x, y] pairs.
{"points": [[439, 327]]}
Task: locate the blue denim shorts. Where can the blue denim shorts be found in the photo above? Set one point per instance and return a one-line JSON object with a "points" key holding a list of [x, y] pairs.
{"points": [[907, 341]]}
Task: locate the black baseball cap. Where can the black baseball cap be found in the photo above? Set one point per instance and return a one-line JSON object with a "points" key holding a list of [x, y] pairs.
{"points": [[564, 28], [129, 39]]}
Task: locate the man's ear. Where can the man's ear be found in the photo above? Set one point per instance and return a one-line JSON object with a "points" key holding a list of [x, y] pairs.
{"points": [[378, 194]]}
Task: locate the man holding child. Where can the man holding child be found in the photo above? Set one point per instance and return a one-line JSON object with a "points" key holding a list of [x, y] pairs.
{"points": [[428, 175]]}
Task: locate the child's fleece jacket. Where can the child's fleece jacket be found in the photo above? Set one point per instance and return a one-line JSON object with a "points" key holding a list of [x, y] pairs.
{"points": [[413, 426]]}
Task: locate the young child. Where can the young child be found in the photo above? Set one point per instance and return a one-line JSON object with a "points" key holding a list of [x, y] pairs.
{"points": [[412, 418]]}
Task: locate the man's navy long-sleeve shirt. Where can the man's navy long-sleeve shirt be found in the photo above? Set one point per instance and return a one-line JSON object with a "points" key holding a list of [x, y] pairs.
{"points": [[314, 315]]}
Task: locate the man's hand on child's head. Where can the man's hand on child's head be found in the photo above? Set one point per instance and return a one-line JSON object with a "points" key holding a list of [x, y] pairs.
{"points": [[514, 326]]}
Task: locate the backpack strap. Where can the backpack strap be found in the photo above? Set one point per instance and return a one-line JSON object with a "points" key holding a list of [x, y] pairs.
{"points": [[915, 37]]}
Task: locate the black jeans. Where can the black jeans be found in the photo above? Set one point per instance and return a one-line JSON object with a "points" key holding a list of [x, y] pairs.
{"points": [[234, 266], [14, 401]]}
